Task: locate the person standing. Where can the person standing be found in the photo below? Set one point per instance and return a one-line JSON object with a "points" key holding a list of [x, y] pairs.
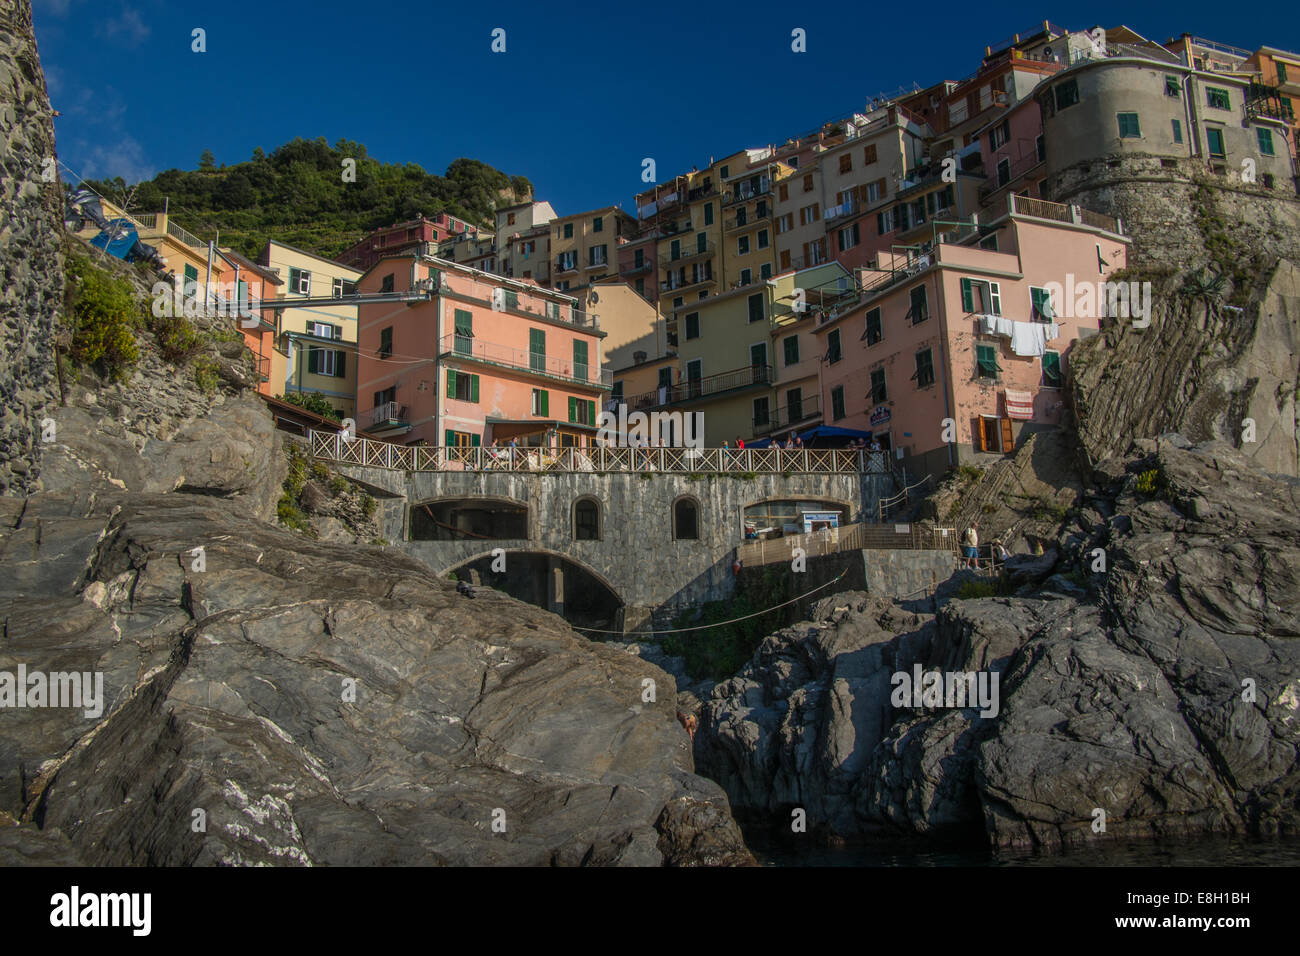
{"points": [[970, 540]]}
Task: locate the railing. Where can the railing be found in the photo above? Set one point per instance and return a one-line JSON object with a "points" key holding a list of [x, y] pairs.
{"points": [[902, 498], [1014, 171], [1090, 218], [752, 219], [388, 412], [854, 537], [747, 192], [468, 347], [635, 270], [788, 415], [176, 232], [562, 266], [368, 453], [264, 367], [846, 208], [674, 283], [1040, 209], [686, 254], [695, 388]]}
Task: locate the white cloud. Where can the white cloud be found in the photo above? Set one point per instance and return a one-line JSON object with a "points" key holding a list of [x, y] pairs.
{"points": [[129, 25], [121, 156]]}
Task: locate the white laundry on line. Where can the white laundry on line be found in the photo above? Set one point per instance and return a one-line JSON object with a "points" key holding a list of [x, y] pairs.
{"points": [[1028, 338]]}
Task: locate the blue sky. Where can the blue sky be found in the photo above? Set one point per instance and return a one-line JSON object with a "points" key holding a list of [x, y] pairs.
{"points": [[582, 94]]}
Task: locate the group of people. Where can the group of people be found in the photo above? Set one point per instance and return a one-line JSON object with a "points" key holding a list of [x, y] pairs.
{"points": [[970, 542]]}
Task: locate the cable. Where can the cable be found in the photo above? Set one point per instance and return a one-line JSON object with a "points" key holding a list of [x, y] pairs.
{"points": [[705, 627]]}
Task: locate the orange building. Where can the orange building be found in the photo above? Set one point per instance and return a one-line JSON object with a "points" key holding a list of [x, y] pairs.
{"points": [[483, 358], [256, 284]]}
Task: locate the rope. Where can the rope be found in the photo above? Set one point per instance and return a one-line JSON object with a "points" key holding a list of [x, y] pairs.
{"points": [[705, 627]]}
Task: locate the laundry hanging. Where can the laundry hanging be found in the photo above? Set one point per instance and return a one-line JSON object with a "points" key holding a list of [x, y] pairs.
{"points": [[1028, 338]]}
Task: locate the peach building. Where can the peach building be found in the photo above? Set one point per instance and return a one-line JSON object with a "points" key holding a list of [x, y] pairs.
{"points": [[979, 334], [483, 358]]}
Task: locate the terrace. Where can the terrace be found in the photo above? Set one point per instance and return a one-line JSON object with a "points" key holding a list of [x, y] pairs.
{"points": [[506, 356]]}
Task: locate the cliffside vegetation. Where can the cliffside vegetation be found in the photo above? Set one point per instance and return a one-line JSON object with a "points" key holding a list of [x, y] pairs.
{"points": [[297, 194]]}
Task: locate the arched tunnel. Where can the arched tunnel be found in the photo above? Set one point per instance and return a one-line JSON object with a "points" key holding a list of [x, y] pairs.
{"points": [[550, 581]]}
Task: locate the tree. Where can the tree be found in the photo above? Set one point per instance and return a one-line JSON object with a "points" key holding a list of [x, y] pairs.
{"points": [[207, 160]]}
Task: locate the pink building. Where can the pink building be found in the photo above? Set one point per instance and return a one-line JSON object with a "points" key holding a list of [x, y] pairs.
{"points": [[485, 358], [405, 237], [1013, 154], [976, 334]]}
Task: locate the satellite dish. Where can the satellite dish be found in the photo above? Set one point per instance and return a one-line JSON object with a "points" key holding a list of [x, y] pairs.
{"points": [[594, 297], [1047, 52]]}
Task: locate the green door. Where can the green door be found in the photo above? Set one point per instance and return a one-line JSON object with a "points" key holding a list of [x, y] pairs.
{"points": [[537, 350]]}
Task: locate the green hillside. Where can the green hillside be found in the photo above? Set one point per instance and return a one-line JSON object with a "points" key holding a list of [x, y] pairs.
{"points": [[297, 194]]}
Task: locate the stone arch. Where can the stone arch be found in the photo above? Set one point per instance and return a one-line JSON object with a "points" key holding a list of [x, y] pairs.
{"points": [[587, 518], [424, 508], [848, 506], [685, 516]]}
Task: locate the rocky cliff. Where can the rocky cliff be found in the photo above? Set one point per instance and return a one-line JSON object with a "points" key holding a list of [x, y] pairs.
{"points": [[1163, 691]]}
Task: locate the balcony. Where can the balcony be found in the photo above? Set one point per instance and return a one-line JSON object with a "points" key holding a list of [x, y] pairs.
{"points": [[1268, 101], [694, 251], [506, 356], [388, 415], [745, 220], [566, 265], [1016, 170], [790, 415], [702, 192], [674, 284], [1059, 212], [602, 263], [691, 389], [747, 191], [847, 208], [635, 270]]}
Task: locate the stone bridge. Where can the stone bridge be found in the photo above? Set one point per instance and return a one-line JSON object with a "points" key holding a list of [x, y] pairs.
{"points": [[616, 520]]}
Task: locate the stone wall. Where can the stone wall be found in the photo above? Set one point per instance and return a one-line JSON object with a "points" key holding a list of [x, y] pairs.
{"points": [[637, 555], [31, 259], [906, 575]]}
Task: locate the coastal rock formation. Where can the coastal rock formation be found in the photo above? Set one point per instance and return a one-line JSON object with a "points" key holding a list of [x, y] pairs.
{"points": [[1164, 692], [294, 702]]}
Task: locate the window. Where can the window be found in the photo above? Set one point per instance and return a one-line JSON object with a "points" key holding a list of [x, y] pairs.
{"points": [[1040, 305], [1052, 369], [837, 402], [986, 361], [833, 351], [191, 284], [746, 276], [1067, 94], [568, 230], [542, 402], [344, 287], [884, 222], [461, 386], [784, 223], [299, 281], [1129, 128], [790, 347], [878, 391], [808, 182], [758, 356], [980, 296], [1216, 98], [1265, 137], [708, 213], [761, 411], [1178, 131], [794, 405], [920, 309], [765, 271], [1040, 145], [1281, 71], [596, 256], [873, 332], [331, 362], [510, 219], [386, 342], [848, 237], [726, 171], [809, 214], [640, 287], [686, 519], [385, 397], [598, 224], [1172, 87], [586, 520], [461, 439], [537, 350], [1214, 141], [924, 374], [756, 310], [1004, 171], [869, 154], [846, 163], [692, 325], [665, 377], [762, 239], [783, 191], [323, 330], [386, 284], [582, 412], [678, 302], [580, 360], [999, 135], [464, 332], [742, 245]]}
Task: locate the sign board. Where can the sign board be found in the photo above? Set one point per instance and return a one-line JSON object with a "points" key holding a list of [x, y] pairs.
{"points": [[817, 520], [902, 529], [880, 414]]}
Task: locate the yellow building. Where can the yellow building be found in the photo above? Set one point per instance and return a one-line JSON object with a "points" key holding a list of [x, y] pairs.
{"points": [[316, 341], [630, 323], [584, 246], [749, 180]]}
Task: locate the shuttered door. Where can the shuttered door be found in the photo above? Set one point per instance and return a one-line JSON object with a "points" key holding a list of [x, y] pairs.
{"points": [[1008, 439], [981, 438]]}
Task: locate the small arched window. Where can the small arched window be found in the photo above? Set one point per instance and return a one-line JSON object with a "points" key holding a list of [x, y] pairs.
{"points": [[586, 520], [686, 520]]}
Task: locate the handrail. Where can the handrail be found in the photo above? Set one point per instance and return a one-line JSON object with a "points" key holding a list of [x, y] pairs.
{"points": [[854, 537], [745, 462]]}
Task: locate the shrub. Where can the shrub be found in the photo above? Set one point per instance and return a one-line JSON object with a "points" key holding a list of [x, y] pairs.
{"points": [[104, 315], [205, 375], [1148, 482], [313, 402], [178, 340]]}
